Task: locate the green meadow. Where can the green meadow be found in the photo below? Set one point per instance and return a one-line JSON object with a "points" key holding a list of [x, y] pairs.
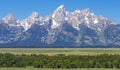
{"points": [[66, 51]]}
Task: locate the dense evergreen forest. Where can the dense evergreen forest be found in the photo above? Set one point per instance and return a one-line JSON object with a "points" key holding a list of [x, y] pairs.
{"points": [[60, 61]]}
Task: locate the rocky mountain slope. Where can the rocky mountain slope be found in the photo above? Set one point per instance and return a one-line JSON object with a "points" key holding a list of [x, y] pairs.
{"points": [[80, 28]]}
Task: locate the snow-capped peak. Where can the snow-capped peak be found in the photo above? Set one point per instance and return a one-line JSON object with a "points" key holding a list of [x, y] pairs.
{"points": [[78, 28], [59, 16], [34, 18], [34, 15], [77, 11], [59, 11], [86, 10], [8, 18], [61, 7]]}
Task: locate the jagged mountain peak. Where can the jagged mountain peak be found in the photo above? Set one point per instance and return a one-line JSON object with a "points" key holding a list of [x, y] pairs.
{"points": [[86, 10], [9, 17], [34, 18], [10, 20], [59, 11], [34, 15], [58, 16], [77, 11], [81, 27], [61, 7]]}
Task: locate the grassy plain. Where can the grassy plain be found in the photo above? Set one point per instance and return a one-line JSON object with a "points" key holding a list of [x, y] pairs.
{"points": [[66, 51]]}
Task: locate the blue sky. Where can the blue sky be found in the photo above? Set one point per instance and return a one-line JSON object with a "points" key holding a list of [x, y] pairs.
{"points": [[23, 8]]}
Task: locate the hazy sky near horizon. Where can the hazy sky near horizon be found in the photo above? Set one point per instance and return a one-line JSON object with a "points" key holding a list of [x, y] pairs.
{"points": [[23, 8]]}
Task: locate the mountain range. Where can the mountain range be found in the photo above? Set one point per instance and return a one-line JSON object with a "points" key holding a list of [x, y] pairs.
{"points": [[81, 28]]}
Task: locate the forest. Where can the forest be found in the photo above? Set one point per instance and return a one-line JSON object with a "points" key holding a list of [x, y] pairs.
{"points": [[60, 61]]}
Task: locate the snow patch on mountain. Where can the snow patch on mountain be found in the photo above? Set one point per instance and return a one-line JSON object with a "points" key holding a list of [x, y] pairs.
{"points": [[55, 24], [96, 21]]}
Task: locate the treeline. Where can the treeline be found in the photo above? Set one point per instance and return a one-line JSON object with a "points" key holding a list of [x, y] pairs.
{"points": [[60, 61]]}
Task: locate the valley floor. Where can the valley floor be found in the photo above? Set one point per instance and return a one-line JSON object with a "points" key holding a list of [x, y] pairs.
{"points": [[55, 51], [66, 51]]}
